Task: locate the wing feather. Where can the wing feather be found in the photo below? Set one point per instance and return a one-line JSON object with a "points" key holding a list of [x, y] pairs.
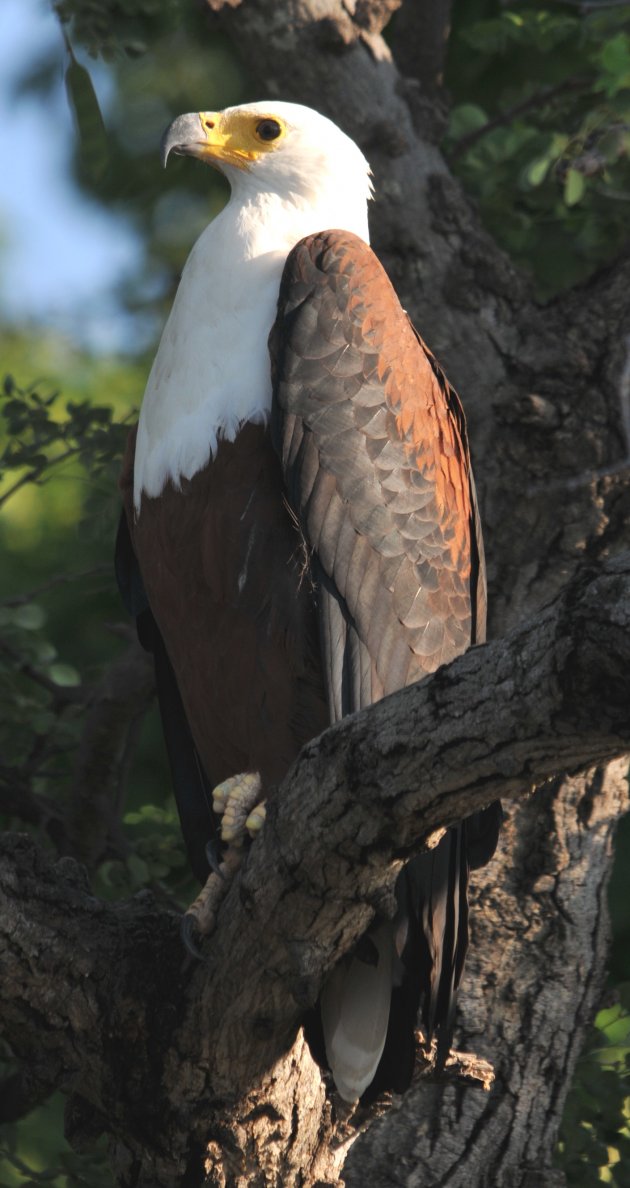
{"points": [[375, 456], [395, 448]]}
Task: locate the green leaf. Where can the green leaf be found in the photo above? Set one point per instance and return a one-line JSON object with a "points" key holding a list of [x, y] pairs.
{"points": [[64, 675], [537, 171], [574, 186], [31, 616], [615, 55], [614, 59], [514, 18], [614, 1022], [464, 119]]}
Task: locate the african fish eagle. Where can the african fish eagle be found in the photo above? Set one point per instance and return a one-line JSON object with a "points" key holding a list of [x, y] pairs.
{"points": [[301, 534]]}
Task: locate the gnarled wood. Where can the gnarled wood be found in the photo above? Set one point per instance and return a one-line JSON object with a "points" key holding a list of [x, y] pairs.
{"points": [[216, 1064]]}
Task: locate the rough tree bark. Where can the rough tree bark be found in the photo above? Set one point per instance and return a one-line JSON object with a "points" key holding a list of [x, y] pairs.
{"points": [[180, 1064], [199, 1074]]}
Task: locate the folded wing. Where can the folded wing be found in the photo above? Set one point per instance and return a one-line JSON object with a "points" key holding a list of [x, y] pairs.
{"points": [[375, 456]]}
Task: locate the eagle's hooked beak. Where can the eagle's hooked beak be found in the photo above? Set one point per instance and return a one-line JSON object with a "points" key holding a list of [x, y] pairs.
{"points": [[186, 136], [208, 136]]}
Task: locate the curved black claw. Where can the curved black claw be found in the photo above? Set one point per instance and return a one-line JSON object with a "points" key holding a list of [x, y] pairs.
{"points": [[213, 856], [191, 935]]}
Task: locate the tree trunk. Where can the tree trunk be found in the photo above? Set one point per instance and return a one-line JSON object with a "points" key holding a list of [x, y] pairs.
{"points": [[200, 1074]]}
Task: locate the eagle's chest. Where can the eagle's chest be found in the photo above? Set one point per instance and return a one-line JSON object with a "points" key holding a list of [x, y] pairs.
{"points": [[228, 579], [211, 373]]}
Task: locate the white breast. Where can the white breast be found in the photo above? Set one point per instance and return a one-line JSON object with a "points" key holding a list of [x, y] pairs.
{"points": [[211, 372]]}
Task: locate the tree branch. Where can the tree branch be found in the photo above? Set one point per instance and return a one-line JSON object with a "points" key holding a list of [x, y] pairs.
{"points": [[60, 579], [551, 697], [60, 694], [539, 99]]}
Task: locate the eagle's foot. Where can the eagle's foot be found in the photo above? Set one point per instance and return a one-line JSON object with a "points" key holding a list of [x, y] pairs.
{"points": [[199, 920], [256, 819], [236, 802]]}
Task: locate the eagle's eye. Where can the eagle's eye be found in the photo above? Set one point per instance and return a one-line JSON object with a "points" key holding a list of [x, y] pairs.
{"points": [[268, 129]]}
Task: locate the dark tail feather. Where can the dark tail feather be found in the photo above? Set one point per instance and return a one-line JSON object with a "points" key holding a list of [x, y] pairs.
{"points": [[437, 893], [482, 835], [192, 790], [430, 940]]}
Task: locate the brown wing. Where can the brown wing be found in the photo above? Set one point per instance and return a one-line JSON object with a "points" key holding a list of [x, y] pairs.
{"points": [[375, 457], [374, 451]]}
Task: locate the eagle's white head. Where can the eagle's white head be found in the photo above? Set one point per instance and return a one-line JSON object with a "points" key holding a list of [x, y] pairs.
{"points": [[280, 151]]}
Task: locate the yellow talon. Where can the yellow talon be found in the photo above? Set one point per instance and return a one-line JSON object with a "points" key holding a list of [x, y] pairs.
{"points": [[238, 795], [256, 819], [221, 794]]}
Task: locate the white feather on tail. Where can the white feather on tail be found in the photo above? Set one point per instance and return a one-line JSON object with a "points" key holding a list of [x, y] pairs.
{"points": [[355, 1013]]}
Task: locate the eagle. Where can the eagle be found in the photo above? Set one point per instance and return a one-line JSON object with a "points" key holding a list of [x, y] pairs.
{"points": [[300, 538]]}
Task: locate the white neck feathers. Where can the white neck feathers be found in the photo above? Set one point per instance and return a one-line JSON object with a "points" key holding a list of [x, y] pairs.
{"points": [[211, 372]]}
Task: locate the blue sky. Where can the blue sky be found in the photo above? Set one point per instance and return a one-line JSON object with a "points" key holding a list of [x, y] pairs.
{"points": [[60, 255]]}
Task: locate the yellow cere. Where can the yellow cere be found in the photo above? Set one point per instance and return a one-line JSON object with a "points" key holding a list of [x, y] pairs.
{"points": [[239, 137]]}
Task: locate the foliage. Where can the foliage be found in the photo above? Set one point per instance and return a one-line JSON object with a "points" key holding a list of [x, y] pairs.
{"points": [[39, 517], [107, 27], [32, 1154], [190, 66], [41, 438], [157, 853], [46, 686], [41, 699], [594, 1145], [60, 460], [540, 131]]}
